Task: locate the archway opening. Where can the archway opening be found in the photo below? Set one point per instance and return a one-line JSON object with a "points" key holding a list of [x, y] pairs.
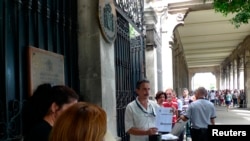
{"points": [[207, 80]]}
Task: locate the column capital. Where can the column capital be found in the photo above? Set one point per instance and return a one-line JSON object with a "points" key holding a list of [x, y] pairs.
{"points": [[150, 16], [152, 39], [173, 21]]}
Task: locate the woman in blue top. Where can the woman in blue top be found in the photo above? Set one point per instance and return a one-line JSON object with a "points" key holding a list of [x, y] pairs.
{"points": [[228, 99]]}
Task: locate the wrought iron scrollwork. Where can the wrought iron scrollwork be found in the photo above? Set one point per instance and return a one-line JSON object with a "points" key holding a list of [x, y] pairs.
{"points": [[9, 128], [133, 9]]}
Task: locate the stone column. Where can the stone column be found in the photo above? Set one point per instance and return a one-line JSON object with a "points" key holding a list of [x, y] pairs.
{"points": [[247, 78], [151, 69], [231, 76], [96, 62], [169, 22], [222, 78], [190, 77], [241, 73], [238, 73], [151, 51], [217, 75], [227, 77], [176, 68], [235, 74]]}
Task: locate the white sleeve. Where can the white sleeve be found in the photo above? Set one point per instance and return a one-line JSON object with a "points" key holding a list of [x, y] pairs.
{"points": [[128, 118]]}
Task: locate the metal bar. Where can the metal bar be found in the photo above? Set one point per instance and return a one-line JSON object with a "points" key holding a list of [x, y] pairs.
{"points": [[39, 24], [30, 27], [49, 21], [10, 66], [56, 24], [3, 128]]}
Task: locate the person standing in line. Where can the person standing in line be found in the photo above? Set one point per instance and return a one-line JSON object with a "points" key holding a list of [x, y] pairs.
{"points": [[81, 122], [43, 108], [201, 113], [212, 96], [242, 99], [160, 98], [235, 96], [179, 103], [228, 99], [222, 98], [140, 114], [171, 103], [186, 100]]}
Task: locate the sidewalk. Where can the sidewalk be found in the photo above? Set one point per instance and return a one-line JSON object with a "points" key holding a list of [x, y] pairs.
{"points": [[233, 116]]}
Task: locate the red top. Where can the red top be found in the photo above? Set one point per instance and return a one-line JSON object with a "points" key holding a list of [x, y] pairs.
{"points": [[172, 104], [174, 99]]}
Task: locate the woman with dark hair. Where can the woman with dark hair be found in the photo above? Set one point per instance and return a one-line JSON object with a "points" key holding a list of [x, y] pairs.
{"points": [[160, 98], [43, 108]]}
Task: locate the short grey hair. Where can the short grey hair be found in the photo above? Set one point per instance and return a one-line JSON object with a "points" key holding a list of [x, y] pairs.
{"points": [[202, 91]]}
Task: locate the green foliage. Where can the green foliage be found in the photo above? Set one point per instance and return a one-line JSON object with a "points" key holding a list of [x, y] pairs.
{"points": [[241, 9], [132, 32]]}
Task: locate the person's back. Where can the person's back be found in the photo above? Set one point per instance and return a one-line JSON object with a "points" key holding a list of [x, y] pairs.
{"points": [[201, 113], [39, 132], [81, 122], [212, 96]]}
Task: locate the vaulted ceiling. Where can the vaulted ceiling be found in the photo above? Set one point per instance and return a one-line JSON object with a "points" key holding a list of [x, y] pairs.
{"points": [[207, 37]]}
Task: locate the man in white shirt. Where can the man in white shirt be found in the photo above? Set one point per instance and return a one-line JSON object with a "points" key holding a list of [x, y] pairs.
{"points": [[212, 96], [140, 114]]}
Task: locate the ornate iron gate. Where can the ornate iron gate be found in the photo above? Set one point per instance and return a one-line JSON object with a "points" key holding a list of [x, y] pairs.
{"points": [[129, 57], [45, 24]]}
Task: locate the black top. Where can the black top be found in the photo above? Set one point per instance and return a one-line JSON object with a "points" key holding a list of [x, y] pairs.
{"points": [[40, 132]]}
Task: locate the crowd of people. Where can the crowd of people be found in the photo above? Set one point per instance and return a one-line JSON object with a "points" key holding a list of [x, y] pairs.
{"points": [[140, 116], [54, 113], [228, 98]]}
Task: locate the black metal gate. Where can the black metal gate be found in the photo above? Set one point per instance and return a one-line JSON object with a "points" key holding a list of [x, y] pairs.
{"points": [[129, 57], [47, 24]]}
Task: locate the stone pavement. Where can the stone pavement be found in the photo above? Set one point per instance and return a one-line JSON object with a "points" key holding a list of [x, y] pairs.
{"points": [[236, 116]]}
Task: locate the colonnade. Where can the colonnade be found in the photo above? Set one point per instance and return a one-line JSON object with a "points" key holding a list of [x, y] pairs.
{"points": [[165, 59]]}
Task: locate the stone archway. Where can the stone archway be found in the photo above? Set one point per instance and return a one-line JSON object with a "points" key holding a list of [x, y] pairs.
{"points": [[214, 70]]}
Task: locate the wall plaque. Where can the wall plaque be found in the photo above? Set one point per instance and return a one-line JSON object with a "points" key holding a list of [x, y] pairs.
{"points": [[44, 67], [108, 19]]}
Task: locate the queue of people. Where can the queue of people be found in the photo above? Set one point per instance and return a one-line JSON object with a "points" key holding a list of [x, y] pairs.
{"points": [[53, 113], [228, 98], [140, 115]]}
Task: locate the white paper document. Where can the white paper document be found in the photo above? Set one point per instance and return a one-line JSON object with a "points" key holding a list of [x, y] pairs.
{"points": [[164, 119]]}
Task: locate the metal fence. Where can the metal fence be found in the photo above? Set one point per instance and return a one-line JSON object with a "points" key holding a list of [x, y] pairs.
{"points": [[47, 24], [129, 57]]}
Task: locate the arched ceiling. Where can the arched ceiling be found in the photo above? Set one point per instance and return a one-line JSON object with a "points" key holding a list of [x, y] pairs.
{"points": [[207, 37]]}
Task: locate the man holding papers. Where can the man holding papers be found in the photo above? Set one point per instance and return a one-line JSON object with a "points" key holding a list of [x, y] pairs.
{"points": [[140, 114]]}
